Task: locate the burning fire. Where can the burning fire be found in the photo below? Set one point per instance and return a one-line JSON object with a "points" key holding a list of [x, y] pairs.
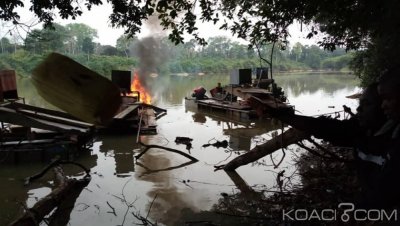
{"points": [[137, 86]]}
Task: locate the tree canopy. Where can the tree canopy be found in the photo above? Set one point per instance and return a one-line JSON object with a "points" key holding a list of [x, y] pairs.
{"points": [[220, 55], [350, 23], [369, 25]]}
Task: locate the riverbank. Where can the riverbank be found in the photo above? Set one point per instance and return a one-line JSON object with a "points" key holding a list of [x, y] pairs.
{"points": [[23, 62]]}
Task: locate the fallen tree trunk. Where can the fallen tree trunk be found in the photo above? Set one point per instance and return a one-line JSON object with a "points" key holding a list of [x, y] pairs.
{"points": [[62, 214], [338, 132], [285, 139], [240, 183], [149, 146], [66, 186]]}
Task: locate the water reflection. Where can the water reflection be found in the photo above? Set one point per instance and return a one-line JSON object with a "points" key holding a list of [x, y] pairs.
{"points": [[199, 118], [182, 188], [240, 208], [241, 136], [240, 131], [300, 84], [150, 171], [29, 93], [157, 167], [14, 195], [166, 93], [121, 148]]}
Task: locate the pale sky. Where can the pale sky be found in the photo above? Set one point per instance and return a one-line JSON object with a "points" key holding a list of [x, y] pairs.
{"points": [[97, 18]]}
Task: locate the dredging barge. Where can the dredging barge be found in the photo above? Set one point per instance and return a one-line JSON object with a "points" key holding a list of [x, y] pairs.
{"points": [[232, 98], [29, 133]]}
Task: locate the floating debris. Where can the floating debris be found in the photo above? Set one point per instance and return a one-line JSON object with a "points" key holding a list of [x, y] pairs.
{"points": [[184, 140], [217, 144]]}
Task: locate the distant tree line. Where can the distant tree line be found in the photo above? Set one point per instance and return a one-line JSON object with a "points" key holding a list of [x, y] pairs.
{"points": [[220, 55]]}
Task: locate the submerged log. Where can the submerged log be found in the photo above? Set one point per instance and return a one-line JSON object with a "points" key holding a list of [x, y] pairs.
{"points": [[285, 139], [66, 190]]}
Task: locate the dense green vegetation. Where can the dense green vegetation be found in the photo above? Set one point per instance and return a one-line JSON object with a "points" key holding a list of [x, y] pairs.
{"points": [[370, 27], [220, 55]]}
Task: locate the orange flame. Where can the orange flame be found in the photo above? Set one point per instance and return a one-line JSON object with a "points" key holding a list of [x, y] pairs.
{"points": [[136, 85]]}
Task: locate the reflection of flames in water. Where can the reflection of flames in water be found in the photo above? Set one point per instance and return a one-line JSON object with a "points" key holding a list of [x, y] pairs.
{"points": [[137, 86]]}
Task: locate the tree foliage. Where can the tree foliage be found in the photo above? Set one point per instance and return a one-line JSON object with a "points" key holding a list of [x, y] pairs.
{"points": [[80, 36], [370, 25], [6, 46], [347, 23], [221, 55], [126, 44], [42, 40]]}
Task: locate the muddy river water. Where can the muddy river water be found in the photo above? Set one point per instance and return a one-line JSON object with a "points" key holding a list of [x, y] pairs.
{"points": [[164, 182]]}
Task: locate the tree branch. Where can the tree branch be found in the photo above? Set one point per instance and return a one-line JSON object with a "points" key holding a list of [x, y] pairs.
{"points": [[149, 146]]}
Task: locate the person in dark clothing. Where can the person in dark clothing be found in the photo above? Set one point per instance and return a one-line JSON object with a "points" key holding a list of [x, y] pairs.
{"points": [[388, 189], [217, 91], [219, 88], [389, 90], [370, 152], [199, 93]]}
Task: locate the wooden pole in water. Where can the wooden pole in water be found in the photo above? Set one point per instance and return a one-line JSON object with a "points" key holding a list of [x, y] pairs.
{"points": [[231, 93], [139, 126]]}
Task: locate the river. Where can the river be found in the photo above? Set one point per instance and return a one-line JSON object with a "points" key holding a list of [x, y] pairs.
{"points": [[177, 193]]}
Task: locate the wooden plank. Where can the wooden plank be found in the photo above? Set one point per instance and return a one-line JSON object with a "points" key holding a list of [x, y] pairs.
{"points": [[149, 124], [149, 118], [25, 142], [16, 106], [38, 134], [56, 119], [157, 109], [11, 116], [65, 127], [126, 112]]}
